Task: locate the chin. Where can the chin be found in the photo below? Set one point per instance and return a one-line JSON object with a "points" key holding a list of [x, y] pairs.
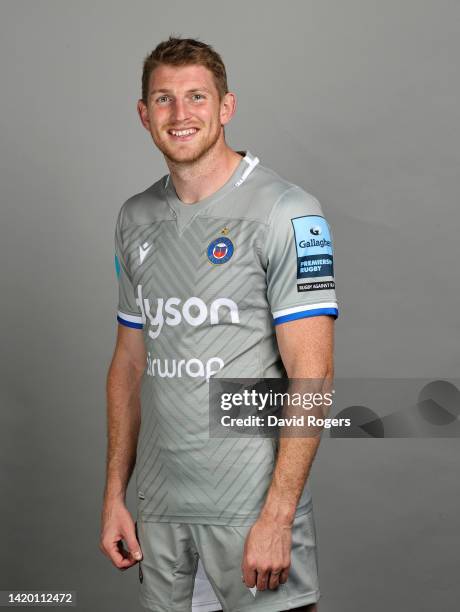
{"points": [[184, 155]]}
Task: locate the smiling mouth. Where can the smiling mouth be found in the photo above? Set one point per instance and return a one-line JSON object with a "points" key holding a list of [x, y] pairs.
{"points": [[183, 135]]}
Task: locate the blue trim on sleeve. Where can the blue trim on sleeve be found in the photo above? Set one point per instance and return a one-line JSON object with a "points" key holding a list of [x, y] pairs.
{"points": [[117, 266], [307, 313], [129, 323]]}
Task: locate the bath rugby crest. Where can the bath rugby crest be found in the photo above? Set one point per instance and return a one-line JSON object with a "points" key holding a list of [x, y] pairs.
{"points": [[220, 250]]}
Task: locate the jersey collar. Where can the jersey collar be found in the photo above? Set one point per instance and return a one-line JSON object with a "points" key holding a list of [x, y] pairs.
{"points": [[185, 213]]}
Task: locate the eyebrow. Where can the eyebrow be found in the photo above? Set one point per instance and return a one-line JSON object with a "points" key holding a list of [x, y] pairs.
{"points": [[155, 91]]}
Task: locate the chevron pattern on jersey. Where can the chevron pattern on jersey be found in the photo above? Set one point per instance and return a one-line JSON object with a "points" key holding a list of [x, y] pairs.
{"points": [[204, 319], [180, 471]]}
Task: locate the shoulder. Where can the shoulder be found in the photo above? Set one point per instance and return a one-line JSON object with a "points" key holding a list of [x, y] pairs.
{"points": [[266, 195], [146, 206]]}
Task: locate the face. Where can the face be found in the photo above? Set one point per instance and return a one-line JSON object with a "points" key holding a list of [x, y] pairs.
{"points": [[183, 112]]}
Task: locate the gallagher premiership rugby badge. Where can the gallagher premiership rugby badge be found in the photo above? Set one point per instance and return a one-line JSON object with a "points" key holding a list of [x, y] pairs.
{"points": [[220, 250], [314, 247]]}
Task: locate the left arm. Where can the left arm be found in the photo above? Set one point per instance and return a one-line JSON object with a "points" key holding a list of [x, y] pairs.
{"points": [[267, 549]]}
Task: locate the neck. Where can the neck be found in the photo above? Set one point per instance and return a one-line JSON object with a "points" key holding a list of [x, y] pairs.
{"points": [[198, 180]]}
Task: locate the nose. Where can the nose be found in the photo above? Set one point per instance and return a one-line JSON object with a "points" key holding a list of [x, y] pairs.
{"points": [[180, 110]]}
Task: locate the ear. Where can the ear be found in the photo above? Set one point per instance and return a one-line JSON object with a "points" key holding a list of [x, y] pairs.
{"points": [[227, 107], [143, 114]]}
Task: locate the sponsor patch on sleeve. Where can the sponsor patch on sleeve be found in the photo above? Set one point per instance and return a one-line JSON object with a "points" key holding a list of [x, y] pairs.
{"points": [[321, 285], [313, 246]]}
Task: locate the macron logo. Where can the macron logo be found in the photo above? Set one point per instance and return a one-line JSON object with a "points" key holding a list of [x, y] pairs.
{"points": [[143, 250]]}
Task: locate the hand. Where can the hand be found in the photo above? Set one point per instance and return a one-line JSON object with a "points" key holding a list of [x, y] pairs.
{"points": [[267, 554], [117, 525]]}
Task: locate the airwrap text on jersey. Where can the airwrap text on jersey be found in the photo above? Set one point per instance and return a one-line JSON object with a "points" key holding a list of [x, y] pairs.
{"points": [[207, 283]]}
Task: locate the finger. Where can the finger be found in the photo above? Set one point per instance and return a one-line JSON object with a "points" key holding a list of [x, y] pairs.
{"points": [[262, 580], [249, 577], [133, 545], [118, 555], [110, 549], [284, 575], [274, 580], [248, 572], [127, 559]]}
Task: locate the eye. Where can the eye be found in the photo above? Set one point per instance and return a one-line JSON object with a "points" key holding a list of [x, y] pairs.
{"points": [[162, 99], [198, 97]]}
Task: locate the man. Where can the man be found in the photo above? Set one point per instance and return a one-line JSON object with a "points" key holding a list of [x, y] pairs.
{"points": [[224, 270]]}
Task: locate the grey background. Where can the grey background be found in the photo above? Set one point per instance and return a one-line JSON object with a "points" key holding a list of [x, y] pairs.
{"points": [[356, 101]]}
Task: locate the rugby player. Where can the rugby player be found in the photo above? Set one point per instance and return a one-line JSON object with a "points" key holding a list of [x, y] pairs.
{"points": [[224, 269]]}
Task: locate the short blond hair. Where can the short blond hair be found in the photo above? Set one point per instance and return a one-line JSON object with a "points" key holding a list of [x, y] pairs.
{"points": [[183, 52]]}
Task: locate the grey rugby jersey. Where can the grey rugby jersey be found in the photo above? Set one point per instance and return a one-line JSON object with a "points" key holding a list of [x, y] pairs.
{"points": [[207, 283]]}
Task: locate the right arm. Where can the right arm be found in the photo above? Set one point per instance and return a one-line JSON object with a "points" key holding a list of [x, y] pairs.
{"points": [[123, 422]]}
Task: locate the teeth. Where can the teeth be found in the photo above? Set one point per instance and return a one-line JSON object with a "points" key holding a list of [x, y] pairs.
{"points": [[183, 132]]}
